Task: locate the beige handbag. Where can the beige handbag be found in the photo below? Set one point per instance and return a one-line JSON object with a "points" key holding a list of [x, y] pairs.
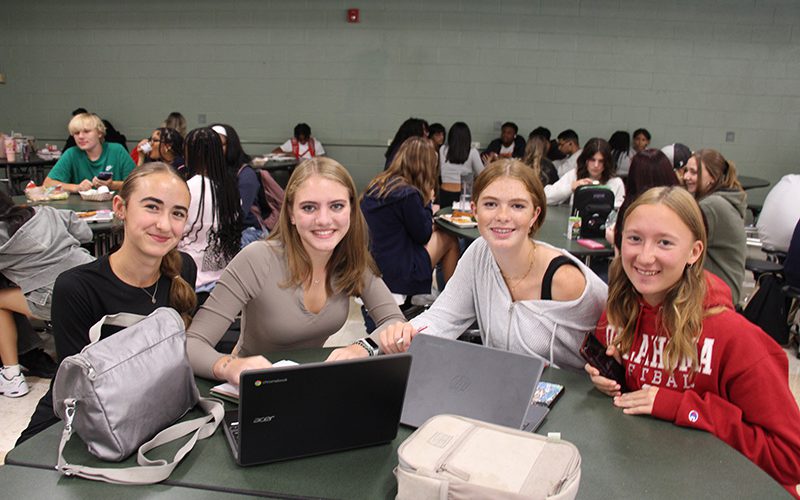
{"points": [[452, 457]]}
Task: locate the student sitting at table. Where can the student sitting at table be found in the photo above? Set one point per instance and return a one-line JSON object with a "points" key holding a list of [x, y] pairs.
{"points": [[164, 144], [526, 295], [146, 273], [713, 182], [689, 358], [251, 192], [648, 169], [302, 146], [293, 289], [213, 231], [36, 245], [595, 166], [413, 127], [457, 157], [397, 205], [78, 168], [536, 158], [509, 145]]}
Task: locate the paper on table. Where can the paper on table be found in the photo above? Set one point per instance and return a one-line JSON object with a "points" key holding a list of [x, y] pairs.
{"points": [[232, 391]]}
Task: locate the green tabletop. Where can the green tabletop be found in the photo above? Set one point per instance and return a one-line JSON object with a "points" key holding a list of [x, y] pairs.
{"points": [[622, 456], [29, 484], [553, 231]]}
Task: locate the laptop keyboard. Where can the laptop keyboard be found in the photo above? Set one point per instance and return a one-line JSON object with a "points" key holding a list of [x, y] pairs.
{"points": [[234, 428]]}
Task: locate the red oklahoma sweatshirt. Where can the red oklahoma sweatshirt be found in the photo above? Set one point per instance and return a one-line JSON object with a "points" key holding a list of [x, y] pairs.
{"points": [[740, 391]]}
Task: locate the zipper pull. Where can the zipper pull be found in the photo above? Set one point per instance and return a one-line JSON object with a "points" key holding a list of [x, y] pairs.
{"points": [[455, 471]]}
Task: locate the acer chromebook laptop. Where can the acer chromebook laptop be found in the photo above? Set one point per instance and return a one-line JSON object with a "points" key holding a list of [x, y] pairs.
{"points": [[450, 376], [302, 410]]}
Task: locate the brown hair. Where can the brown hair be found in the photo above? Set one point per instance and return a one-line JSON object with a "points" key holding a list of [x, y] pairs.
{"points": [[351, 257], [513, 169], [414, 165], [592, 147], [534, 152], [712, 162], [682, 312], [181, 294]]}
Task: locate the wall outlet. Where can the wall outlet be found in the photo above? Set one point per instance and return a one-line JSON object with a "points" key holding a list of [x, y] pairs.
{"points": [[730, 136], [201, 118]]}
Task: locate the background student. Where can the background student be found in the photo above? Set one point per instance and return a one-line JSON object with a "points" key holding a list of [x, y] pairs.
{"points": [[595, 165], [302, 145], [714, 183], [78, 168], [457, 157]]}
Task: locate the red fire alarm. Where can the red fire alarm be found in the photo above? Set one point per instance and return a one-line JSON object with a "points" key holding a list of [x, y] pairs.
{"points": [[352, 15]]}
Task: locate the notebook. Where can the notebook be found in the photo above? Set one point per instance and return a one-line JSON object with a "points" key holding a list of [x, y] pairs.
{"points": [[316, 408], [450, 376]]}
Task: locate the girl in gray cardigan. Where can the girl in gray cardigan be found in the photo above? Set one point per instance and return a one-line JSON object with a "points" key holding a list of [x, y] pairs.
{"points": [[36, 245], [525, 295]]}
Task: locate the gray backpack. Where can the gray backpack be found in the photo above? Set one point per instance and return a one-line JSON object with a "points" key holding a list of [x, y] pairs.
{"points": [[458, 458], [126, 389]]}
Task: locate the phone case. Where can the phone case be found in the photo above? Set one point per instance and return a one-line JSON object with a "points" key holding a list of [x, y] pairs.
{"points": [[590, 244], [595, 354]]}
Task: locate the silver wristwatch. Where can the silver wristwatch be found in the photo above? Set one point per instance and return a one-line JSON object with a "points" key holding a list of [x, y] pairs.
{"points": [[369, 345]]}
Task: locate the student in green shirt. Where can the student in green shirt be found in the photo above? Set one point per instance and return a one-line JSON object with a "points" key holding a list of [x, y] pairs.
{"points": [[81, 168]]}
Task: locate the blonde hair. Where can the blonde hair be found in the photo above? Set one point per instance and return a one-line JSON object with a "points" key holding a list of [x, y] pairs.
{"points": [[517, 170], [351, 257], [414, 165], [681, 316], [87, 121], [181, 294], [711, 161]]}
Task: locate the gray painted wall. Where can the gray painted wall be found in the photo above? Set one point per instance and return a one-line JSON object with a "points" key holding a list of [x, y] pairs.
{"points": [[688, 71]]}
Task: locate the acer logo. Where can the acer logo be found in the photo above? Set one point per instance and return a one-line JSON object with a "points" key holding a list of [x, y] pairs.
{"points": [[262, 420]]}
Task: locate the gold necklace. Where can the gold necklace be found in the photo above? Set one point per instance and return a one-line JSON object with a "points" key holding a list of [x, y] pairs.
{"points": [[508, 279]]}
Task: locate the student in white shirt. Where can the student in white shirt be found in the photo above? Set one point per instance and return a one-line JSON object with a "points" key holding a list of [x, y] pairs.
{"points": [[302, 146]]}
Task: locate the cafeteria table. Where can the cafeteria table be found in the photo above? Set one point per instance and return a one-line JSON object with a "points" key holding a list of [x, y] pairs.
{"points": [[622, 456], [18, 173]]}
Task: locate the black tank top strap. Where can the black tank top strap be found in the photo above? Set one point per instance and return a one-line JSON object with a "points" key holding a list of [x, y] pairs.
{"points": [[547, 280]]}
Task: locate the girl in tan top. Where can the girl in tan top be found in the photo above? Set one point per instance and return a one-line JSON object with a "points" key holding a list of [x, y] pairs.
{"points": [[294, 289]]}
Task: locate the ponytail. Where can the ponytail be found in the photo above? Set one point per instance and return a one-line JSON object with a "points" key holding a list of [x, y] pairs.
{"points": [[181, 294]]}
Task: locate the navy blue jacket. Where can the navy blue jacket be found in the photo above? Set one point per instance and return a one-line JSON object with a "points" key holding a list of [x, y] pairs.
{"points": [[399, 227]]}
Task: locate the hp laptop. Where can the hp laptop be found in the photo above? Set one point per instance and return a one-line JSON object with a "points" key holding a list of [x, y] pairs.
{"points": [[450, 376], [302, 410]]}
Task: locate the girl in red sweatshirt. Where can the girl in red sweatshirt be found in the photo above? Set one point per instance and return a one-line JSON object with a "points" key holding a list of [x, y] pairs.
{"points": [[688, 356]]}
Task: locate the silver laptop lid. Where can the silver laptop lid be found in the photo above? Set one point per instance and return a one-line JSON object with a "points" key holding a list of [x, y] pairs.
{"points": [[449, 376]]}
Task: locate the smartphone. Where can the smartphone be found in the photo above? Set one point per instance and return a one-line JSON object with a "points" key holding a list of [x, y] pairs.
{"points": [[105, 176], [595, 354], [590, 244]]}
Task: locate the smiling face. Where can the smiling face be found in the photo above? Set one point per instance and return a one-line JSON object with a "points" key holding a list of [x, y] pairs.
{"points": [[88, 139], [694, 179], [507, 135], [654, 256], [505, 213], [321, 214], [595, 166], [154, 214]]}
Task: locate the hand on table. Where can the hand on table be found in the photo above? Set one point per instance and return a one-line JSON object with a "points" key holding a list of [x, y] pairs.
{"points": [[397, 338], [353, 351], [638, 402], [84, 185], [229, 367]]}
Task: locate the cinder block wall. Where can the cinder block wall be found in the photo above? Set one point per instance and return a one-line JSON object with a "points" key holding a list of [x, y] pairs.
{"points": [[687, 71]]}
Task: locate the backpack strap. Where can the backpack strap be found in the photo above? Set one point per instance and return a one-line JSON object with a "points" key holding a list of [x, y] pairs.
{"points": [[148, 471]]}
